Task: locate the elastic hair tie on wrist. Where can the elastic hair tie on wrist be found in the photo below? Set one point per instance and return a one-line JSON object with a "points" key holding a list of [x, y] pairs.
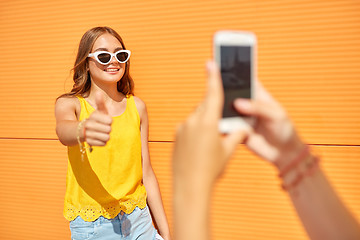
{"points": [[310, 169], [304, 152], [311, 166]]}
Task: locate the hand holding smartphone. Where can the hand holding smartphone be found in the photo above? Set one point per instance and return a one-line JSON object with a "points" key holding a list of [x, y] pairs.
{"points": [[235, 54]]}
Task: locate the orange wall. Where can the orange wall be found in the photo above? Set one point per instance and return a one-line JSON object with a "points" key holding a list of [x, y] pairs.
{"points": [[309, 58]]}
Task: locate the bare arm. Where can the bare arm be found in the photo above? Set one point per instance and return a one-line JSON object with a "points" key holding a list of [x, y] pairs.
{"points": [[199, 156], [96, 129], [149, 179], [66, 110], [321, 211], [274, 139]]}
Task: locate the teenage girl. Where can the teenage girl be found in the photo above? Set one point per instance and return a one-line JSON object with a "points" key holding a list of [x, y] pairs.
{"points": [[110, 179]]}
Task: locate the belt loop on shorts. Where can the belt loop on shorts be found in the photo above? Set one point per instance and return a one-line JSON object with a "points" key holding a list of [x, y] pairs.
{"points": [[121, 214]]}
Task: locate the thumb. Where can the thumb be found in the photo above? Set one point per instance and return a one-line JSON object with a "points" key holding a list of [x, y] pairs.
{"points": [[232, 140], [100, 103], [215, 96], [258, 108]]}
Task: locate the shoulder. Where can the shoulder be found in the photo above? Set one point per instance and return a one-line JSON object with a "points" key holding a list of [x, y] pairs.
{"points": [[141, 108], [67, 104], [140, 104]]}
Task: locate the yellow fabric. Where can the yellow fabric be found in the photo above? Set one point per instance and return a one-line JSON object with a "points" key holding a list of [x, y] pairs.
{"points": [[109, 179]]}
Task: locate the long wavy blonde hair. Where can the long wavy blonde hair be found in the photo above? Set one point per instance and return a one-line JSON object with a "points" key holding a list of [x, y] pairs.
{"points": [[81, 75]]}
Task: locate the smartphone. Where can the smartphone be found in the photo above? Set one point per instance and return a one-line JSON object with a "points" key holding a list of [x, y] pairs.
{"points": [[235, 54]]}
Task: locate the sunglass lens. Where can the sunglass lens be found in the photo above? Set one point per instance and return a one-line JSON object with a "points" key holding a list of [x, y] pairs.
{"points": [[104, 57], [122, 56]]}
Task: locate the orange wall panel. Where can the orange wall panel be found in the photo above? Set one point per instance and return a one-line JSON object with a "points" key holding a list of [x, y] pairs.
{"points": [[308, 57], [247, 197], [32, 189]]}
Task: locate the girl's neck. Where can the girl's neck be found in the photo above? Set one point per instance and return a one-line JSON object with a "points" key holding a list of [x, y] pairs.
{"points": [[109, 91]]}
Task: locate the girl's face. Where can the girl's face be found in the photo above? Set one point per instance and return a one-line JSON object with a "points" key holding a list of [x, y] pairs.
{"points": [[111, 72]]}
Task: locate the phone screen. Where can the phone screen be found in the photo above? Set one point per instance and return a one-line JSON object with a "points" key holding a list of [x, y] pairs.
{"points": [[236, 76]]}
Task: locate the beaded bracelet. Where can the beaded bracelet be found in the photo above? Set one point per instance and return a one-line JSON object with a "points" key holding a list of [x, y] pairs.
{"points": [[81, 145], [311, 165]]}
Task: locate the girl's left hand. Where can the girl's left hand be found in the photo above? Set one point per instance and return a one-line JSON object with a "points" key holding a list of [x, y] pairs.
{"points": [[201, 152]]}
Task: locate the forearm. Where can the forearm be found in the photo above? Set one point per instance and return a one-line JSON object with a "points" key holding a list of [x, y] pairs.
{"points": [[192, 210], [323, 214], [155, 203], [320, 209], [67, 132]]}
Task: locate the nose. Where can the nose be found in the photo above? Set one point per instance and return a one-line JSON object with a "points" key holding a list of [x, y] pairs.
{"points": [[113, 60]]}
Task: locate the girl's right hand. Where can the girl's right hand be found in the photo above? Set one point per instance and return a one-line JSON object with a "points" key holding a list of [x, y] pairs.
{"points": [[98, 125]]}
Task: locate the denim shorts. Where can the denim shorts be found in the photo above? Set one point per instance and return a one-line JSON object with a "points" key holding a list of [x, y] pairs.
{"points": [[136, 225]]}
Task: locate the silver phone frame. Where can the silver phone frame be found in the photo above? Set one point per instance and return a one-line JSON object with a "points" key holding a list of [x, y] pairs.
{"points": [[236, 38]]}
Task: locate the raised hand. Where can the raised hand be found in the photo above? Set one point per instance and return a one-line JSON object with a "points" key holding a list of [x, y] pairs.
{"points": [[274, 137], [98, 125]]}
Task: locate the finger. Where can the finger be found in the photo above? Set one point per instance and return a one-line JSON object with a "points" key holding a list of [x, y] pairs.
{"points": [[215, 97], [200, 109], [232, 140], [98, 127], [100, 103], [96, 138], [100, 118], [257, 108], [257, 141], [95, 142]]}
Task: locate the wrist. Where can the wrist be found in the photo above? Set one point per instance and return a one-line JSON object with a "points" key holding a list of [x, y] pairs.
{"points": [[288, 153], [302, 165], [81, 131], [305, 167]]}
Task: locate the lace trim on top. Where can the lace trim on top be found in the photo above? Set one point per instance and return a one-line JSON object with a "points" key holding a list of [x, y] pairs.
{"points": [[91, 213]]}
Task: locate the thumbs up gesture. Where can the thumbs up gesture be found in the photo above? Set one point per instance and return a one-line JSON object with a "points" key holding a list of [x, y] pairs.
{"points": [[98, 125]]}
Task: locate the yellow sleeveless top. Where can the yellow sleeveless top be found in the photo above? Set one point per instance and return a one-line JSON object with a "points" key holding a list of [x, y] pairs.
{"points": [[109, 179]]}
